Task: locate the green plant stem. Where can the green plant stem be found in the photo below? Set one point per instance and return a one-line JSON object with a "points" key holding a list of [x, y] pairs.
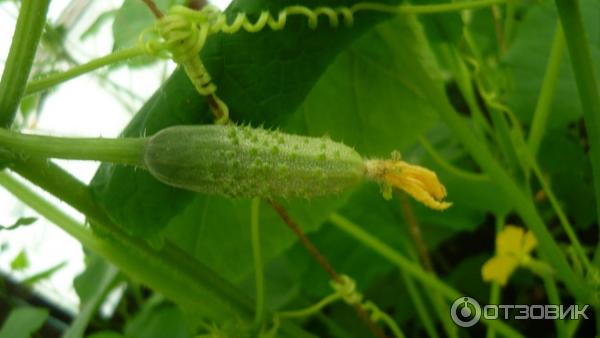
{"points": [[465, 85], [419, 305], [258, 266], [521, 202], [554, 298], [409, 267], [49, 211], [585, 77], [449, 167], [562, 217], [495, 290], [169, 270], [81, 322], [426, 9], [119, 150], [509, 24], [28, 30], [423, 256], [542, 108], [57, 78], [308, 311]]}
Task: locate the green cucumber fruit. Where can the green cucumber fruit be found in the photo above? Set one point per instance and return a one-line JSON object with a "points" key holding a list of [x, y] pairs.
{"points": [[240, 161]]}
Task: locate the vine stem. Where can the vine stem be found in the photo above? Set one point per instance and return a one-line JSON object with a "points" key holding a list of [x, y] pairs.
{"points": [[323, 262], [495, 290], [423, 252], [449, 167], [119, 150], [569, 13], [562, 217], [420, 308], [56, 78], [409, 267], [542, 108], [28, 30]]}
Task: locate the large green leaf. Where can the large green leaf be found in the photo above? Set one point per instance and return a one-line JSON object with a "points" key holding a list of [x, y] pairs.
{"points": [[217, 231], [375, 95], [22, 322], [262, 76]]}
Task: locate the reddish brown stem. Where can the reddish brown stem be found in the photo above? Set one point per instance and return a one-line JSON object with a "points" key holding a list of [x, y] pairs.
{"points": [[154, 8], [415, 231], [312, 249]]}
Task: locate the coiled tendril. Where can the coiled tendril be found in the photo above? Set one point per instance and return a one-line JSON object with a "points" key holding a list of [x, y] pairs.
{"points": [[184, 32]]}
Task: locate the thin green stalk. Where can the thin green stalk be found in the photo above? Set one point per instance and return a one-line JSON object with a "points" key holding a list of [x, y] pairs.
{"points": [[509, 24], [169, 270], [427, 9], [495, 290], [49, 211], [308, 311], [554, 298], [522, 203], [57, 78], [410, 267], [562, 217], [28, 30], [258, 266], [465, 85], [90, 307], [119, 150], [504, 139], [419, 305], [422, 256], [449, 167], [542, 108], [585, 76]]}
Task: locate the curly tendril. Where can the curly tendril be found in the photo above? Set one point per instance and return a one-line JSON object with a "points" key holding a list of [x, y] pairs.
{"points": [[346, 289], [184, 32]]}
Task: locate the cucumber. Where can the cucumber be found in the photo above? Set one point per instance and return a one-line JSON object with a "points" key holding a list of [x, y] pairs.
{"points": [[241, 161]]}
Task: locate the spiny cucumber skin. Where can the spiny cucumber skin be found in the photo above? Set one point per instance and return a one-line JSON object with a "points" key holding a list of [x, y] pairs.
{"points": [[240, 161]]}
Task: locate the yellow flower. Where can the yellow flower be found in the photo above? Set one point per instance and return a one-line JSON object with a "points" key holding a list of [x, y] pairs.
{"points": [[513, 248], [421, 183]]}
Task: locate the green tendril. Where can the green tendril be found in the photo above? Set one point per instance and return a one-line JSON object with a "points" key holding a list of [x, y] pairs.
{"points": [[184, 32], [345, 289]]}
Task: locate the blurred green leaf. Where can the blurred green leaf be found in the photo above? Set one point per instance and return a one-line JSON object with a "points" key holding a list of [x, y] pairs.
{"points": [[97, 24], [22, 322], [22, 221], [92, 286], [20, 262], [33, 279], [29, 104], [158, 319]]}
